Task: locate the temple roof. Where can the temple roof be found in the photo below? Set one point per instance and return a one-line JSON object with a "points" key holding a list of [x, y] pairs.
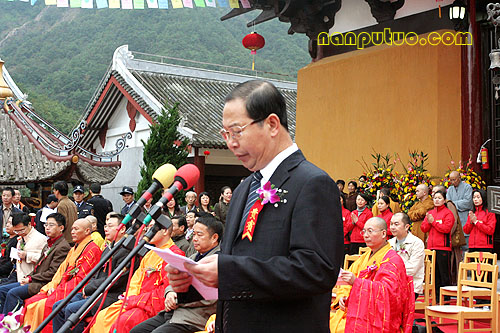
{"points": [[199, 92], [33, 151]]}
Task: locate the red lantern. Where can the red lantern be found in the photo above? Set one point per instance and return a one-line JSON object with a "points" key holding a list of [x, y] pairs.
{"points": [[206, 152], [253, 41]]}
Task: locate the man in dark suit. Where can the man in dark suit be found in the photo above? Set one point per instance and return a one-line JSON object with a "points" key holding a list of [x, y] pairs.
{"points": [[277, 276], [101, 205], [7, 206]]}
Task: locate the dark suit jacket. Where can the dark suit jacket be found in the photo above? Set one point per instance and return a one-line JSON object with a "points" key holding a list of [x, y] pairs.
{"points": [[101, 208], [48, 265], [282, 280], [14, 210], [118, 287], [6, 264]]}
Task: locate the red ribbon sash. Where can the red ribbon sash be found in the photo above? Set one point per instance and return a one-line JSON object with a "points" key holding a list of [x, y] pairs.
{"points": [[252, 220]]}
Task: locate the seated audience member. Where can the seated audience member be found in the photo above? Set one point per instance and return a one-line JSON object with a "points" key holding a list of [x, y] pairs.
{"points": [[111, 230], [385, 212], [378, 295], [29, 244], [480, 224], [96, 236], [438, 223], [410, 248], [189, 316], [350, 200], [418, 211], [346, 220], [146, 293], [42, 214], [395, 208], [78, 263], [179, 226], [6, 262], [359, 218], [12, 295]]}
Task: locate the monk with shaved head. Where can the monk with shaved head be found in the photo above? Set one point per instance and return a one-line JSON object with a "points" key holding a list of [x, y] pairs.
{"points": [[375, 294], [418, 211], [79, 262]]}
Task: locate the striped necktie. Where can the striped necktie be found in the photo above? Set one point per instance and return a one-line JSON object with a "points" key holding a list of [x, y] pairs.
{"points": [[252, 197]]}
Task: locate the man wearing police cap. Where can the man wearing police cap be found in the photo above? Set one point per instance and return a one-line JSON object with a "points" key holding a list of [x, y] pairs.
{"points": [[84, 208], [127, 194]]}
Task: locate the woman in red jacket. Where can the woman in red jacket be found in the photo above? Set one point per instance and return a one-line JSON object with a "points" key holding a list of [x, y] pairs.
{"points": [[480, 224], [346, 218], [385, 212], [438, 223], [359, 217]]}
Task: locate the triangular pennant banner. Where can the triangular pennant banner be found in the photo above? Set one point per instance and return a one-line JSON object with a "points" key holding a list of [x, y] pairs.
{"points": [[234, 4], [127, 4], [163, 4], [87, 3], [138, 4], [62, 3], [177, 4], [223, 3], [75, 3], [101, 3], [245, 4], [50, 2], [152, 3], [188, 3], [25, 0], [33, 2], [199, 3], [210, 3], [114, 3]]}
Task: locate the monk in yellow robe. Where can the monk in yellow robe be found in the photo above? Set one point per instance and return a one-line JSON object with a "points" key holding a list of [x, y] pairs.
{"points": [[377, 295], [146, 293], [78, 263]]}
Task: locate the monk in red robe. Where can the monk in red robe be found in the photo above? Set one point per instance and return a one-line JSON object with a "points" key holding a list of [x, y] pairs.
{"points": [[146, 293], [377, 295], [78, 263]]}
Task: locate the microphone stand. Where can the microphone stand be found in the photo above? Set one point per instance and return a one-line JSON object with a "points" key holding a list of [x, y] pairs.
{"points": [[162, 222], [126, 241]]}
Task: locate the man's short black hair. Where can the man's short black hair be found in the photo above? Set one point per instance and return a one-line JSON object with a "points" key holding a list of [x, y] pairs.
{"points": [[120, 218], [21, 218], [62, 187], [181, 221], [341, 182], [213, 225], [404, 218], [261, 99], [9, 189], [95, 188], [60, 219]]}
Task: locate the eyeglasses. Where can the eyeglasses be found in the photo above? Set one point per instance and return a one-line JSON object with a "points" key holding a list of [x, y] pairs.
{"points": [[235, 131], [21, 231], [51, 225], [368, 231]]}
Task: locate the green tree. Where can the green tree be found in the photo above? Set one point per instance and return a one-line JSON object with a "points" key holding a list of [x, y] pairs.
{"points": [[165, 145]]}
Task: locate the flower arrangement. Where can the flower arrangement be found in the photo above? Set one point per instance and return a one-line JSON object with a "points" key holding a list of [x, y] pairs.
{"points": [[12, 323], [467, 174], [380, 174], [415, 174]]}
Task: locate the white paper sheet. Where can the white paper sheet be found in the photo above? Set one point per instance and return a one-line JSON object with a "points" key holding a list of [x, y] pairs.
{"points": [[178, 261], [14, 254]]}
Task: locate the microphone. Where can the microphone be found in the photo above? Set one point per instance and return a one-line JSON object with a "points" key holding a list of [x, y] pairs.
{"points": [[162, 177], [185, 178]]}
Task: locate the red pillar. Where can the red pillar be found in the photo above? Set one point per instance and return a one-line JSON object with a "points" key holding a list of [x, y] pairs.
{"points": [[472, 126], [199, 161]]}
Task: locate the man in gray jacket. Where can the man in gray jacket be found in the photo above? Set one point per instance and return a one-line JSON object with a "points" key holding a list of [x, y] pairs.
{"points": [[184, 315]]}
